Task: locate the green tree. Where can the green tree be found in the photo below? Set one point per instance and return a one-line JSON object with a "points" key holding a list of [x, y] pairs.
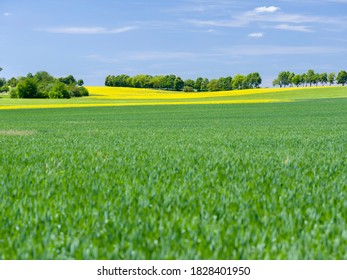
{"points": [[198, 83], [109, 80], [158, 82], [296, 80], [225, 83], [12, 82], [341, 78], [290, 78], [189, 83], [204, 85], [2, 82], [43, 77], [303, 80], [169, 82], [59, 90], [213, 85], [315, 79], [283, 79], [27, 88], [254, 80], [323, 78], [331, 78], [69, 80], [310, 77], [238, 81], [178, 84], [80, 82]]}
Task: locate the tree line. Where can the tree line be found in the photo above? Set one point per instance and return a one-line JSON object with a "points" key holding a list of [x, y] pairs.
{"points": [[43, 85], [287, 78], [176, 83]]}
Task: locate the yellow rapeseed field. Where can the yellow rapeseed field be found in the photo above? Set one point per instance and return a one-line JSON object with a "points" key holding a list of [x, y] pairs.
{"points": [[134, 93], [101, 96]]}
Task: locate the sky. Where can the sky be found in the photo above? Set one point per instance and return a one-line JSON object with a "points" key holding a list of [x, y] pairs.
{"points": [[91, 39]]}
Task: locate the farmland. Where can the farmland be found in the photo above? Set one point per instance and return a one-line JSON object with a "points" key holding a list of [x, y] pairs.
{"points": [[260, 180], [109, 97]]}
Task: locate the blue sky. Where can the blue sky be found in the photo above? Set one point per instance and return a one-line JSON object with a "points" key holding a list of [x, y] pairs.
{"points": [[190, 38]]}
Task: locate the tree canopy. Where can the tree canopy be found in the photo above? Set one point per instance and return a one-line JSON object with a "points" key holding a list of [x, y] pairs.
{"points": [[286, 78], [43, 85], [175, 83], [341, 78]]}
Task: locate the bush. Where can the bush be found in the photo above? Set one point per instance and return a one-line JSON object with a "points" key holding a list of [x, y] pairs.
{"points": [[188, 89], [4, 89], [84, 91], [14, 93], [78, 91], [59, 90]]}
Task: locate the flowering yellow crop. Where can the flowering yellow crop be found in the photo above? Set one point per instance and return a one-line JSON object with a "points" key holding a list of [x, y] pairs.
{"points": [[113, 96], [134, 93]]}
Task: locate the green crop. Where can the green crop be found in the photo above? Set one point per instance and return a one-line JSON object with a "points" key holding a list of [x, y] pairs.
{"points": [[256, 181]]}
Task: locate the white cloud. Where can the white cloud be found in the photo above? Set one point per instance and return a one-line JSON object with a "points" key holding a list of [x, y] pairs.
{"points": [[270, 9], [256, 35], [269, 15], [86, 30], [298, 28], [261, 50], [7, 14]]}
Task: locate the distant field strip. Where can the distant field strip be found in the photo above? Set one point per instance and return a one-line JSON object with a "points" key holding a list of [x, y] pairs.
{"points": [[72, 105], [110, 96]]}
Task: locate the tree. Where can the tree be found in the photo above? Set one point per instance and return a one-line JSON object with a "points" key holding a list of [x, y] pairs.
{"points": [[169, 81], [59, 90], [283, 79], [69, 80], [290, 78], [323, 78], [225, 83], [158, 82], [43, 77], [341, 78], [80, 82], [2, 82], [316, 78], [109, 80], [204, 85], [303, 80], [254, 80], [27, 88], [189, 83], [213, 85], [142, 81], [198, 83], [331, 78], [310, 77], [238, 81], [178, 84], [296, 80]]}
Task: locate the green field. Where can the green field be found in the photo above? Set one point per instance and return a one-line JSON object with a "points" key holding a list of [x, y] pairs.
{"points": [[244, 181]]}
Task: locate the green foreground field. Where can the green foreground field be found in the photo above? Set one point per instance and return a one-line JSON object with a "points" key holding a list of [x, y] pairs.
{"points": [[250, 181]]}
